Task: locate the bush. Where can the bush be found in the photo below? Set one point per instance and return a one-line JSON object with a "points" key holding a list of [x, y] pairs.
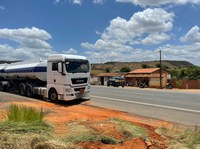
{"points": [[125, 69], [24, 114], [22, 119]]}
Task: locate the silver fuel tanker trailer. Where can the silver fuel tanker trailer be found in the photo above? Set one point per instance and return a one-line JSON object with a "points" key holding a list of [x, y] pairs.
{"points": [[60, 77]]}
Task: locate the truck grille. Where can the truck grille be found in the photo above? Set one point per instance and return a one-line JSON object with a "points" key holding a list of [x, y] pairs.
{"points": [[79, 80]]}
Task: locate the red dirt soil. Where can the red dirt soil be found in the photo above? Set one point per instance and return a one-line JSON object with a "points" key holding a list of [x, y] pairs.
{"points": [[60, 114]]}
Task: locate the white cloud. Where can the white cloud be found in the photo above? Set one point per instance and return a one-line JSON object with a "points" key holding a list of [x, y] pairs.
{"points": [[79, 2], [56, 1], [189, 53], [122, 33], [98, 1], [145, 3], [32, 43], [27, 37], [70, 51], [155, 38], [2, 7], [149, 27], [193, 35]]}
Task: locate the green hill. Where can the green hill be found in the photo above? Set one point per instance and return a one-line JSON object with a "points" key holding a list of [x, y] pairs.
{"points": [[116, 66]]}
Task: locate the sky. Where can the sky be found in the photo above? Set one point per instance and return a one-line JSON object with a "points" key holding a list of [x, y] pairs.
{"points": [[101, 30]]}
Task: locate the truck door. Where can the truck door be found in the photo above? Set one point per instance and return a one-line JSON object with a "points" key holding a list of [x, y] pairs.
{"points": [[55, 78]]}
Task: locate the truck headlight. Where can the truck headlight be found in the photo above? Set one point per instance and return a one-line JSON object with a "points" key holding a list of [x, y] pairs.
{"points": [[88, 87], [68, 90]]}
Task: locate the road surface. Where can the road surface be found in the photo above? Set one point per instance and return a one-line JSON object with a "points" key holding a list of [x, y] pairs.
{"points": [[169, 105]]}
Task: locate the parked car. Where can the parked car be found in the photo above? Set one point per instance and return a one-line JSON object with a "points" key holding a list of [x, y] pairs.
{"points": [[116, 82]]}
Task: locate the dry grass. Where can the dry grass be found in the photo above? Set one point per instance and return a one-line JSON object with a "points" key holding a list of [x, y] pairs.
{"points": [[184, 138]]}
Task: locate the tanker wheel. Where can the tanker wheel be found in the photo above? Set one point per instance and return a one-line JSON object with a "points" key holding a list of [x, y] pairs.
{"points": [[21, 89], [1, 87], [53, 95], [29, 90]]}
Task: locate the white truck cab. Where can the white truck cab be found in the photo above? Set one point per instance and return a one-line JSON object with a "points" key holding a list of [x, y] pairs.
{"points": [[68, 77]]}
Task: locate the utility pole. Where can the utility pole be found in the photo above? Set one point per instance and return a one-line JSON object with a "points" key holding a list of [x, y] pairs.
{"points": [[160, 70]]}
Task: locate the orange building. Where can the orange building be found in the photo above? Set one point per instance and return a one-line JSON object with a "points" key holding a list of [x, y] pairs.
{"points": [[148, 76]]}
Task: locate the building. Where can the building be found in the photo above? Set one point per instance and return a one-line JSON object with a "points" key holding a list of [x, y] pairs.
{"points": [[101, 79], [148, 76]]}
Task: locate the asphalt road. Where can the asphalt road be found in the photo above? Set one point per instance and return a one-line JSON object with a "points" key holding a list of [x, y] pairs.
{"points": [[169, 105]]}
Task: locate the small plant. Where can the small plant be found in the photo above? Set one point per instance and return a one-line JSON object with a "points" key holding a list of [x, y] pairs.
{"points": [[81, 133], [24, 114], [24, 119], [129, 129], [178, 83]]}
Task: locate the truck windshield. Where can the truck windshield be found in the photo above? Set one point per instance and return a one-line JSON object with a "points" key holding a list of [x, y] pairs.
{"points": [[77, 66]]}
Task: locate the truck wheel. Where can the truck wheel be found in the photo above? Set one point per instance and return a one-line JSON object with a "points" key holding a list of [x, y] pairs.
{"points": [[29, 90], [21, 89], [1, 86], [53, 95]]}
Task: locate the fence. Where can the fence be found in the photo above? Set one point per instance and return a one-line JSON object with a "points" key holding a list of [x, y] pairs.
{"points": [[186, 84]]}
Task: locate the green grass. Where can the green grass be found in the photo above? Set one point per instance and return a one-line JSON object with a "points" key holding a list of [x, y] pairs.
{"points": [[24, 114], [129, 129], [23, 119], [25, 128]]}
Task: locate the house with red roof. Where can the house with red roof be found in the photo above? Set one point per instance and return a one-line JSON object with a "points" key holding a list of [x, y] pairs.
{"points": [[149, 77]]}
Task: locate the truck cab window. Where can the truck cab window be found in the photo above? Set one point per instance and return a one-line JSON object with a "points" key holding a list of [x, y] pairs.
{"points": [[54, 66]]}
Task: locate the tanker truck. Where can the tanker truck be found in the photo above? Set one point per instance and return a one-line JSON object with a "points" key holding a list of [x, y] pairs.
{"points": [[60, 77]]}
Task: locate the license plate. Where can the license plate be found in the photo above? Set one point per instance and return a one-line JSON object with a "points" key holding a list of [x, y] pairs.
{"points": [[81, 90]]}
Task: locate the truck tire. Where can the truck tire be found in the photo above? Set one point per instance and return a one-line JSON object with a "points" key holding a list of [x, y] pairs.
{"points": [[4, 86], [29, 90], [53, 95], [1, 86], [21, 89]]}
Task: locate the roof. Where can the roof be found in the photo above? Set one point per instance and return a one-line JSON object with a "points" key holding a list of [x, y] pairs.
{"points": [[144, 75], [62, 57], [144, 71], [108, 75]]}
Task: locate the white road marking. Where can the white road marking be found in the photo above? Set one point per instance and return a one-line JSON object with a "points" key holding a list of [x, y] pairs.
{"points": [[148, 104]]}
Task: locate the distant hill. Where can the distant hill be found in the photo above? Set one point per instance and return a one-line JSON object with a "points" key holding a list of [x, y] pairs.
{"points": [[8, 62], [116, 66]]}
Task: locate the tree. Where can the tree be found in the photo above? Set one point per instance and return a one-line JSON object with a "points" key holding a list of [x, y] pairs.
{"points": [[158, 65], [125, 69], [107, 70], [145, 66]]}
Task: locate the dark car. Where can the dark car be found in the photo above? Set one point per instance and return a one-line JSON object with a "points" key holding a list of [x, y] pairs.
{"points": [[116, 81]]}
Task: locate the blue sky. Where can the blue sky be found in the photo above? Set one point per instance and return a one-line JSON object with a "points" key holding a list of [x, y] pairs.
{"points": [[102, 30]]}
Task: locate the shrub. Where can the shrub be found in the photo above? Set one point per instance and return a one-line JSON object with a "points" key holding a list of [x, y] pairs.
{"points": [[23, 119], [24, 114]]}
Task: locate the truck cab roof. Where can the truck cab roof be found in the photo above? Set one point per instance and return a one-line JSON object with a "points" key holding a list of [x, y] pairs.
{"points": [[62, 57]]}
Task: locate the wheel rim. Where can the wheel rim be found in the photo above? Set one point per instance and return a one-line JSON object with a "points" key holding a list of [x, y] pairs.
{"points": [[22, 90], [29, 91], [53, 96]]}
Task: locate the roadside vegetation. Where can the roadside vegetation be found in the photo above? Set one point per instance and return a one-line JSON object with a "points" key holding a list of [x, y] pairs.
{"points": [[191, 73], [184, 138], [25, 128], [84, 131]]}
